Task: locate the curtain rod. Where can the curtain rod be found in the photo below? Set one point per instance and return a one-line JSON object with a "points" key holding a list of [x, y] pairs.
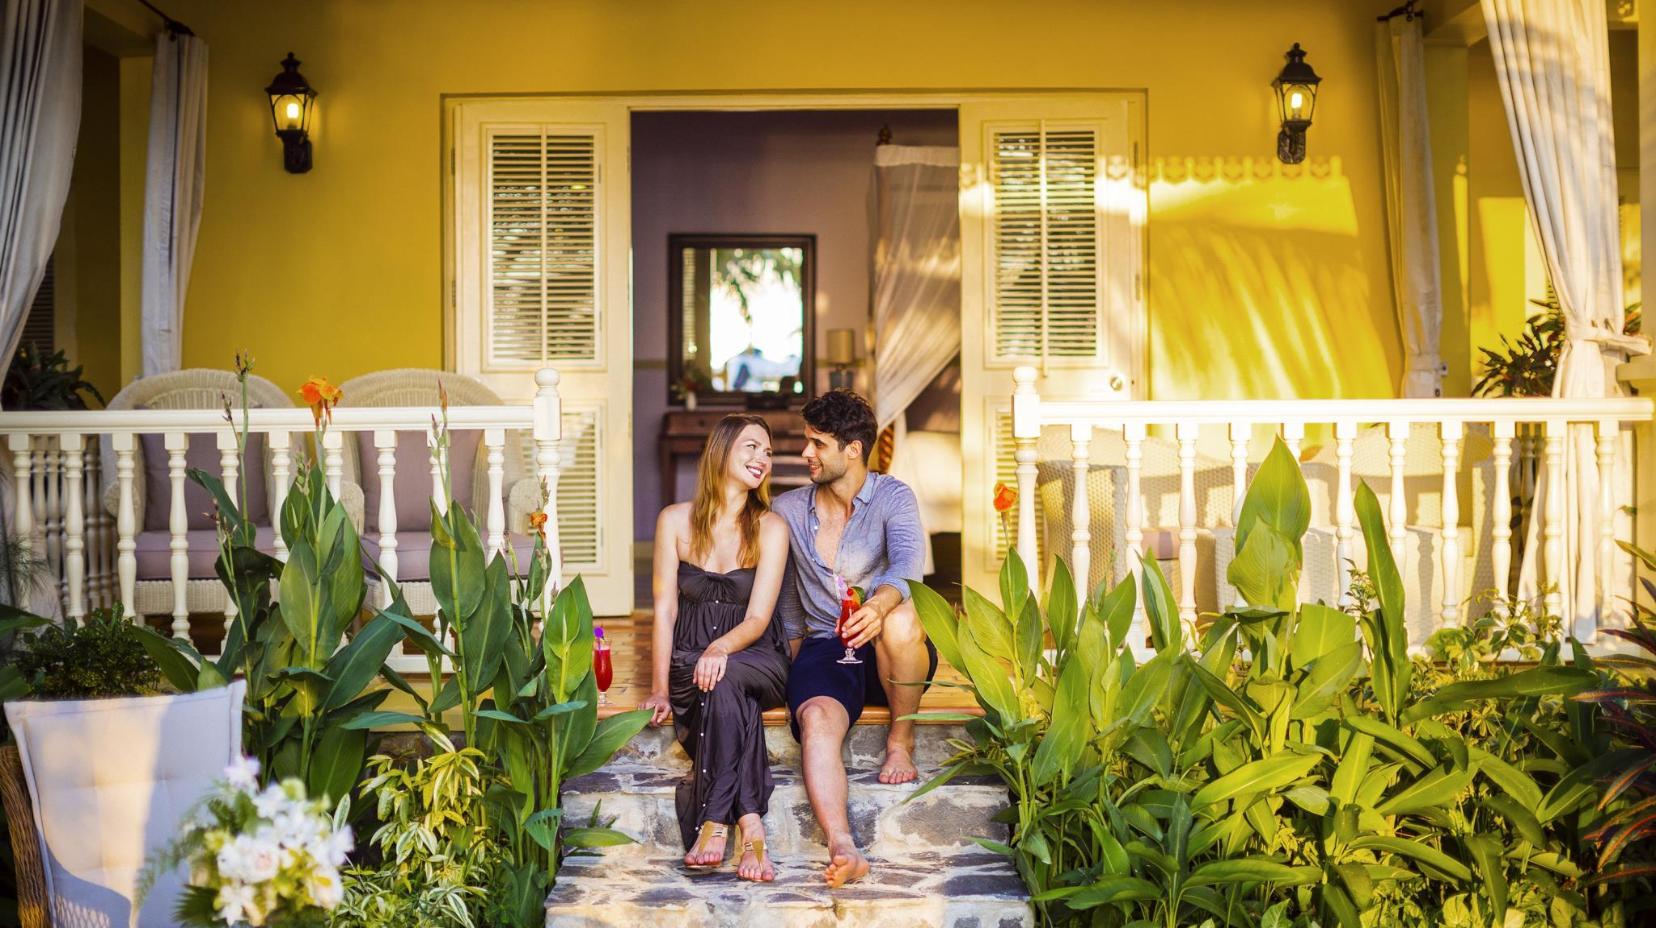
{"points": [[1407, 10], [173, 26]]}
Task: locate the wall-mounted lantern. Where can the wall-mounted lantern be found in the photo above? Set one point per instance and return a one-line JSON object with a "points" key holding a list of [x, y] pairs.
{"points": [[1296, 90], [292, 103]]}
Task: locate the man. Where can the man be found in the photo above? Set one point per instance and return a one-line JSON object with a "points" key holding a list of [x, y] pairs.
{"points": [[850, 528]]}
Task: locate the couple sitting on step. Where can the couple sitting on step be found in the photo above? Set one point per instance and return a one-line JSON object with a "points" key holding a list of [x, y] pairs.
{"points": [[748, 596]]}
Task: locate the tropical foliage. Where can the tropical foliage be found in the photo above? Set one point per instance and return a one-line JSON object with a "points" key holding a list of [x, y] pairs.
{"points": [[1293, 767]]}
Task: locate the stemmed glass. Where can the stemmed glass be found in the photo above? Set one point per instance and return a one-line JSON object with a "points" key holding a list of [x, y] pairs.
{"points": [[848, 605], [601, 667]]}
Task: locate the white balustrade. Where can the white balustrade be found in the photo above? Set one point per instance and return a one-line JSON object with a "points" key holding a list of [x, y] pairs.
{"points": [[1441, 538], [93, 555]]}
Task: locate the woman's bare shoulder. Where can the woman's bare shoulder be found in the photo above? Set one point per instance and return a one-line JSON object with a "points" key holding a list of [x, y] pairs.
{"points": [[675, 517]]}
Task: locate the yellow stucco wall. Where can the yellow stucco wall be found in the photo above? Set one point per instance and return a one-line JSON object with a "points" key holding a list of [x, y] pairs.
{"points": [[1264, 281]]}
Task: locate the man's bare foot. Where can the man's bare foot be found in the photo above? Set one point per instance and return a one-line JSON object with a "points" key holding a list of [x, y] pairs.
{"points": [[755, 864], [899, 765], [709, 850], [846, 864]]}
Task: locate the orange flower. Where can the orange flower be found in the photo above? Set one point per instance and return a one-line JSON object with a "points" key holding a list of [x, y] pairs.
{"points": [[1005, 497], [321, 396], [537, 521]]}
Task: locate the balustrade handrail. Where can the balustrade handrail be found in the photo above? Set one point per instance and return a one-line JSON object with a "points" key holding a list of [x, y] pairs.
{"points": [[1541, 447], [349, 419], [1315, 411]]}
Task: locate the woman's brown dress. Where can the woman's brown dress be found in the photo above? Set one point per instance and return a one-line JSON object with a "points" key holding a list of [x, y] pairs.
{"points": [[722, 730]]}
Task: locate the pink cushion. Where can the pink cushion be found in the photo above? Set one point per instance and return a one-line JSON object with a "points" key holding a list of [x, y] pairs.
{"points": [[203, 454], [412, 483], [414, 553], [155, 552]]}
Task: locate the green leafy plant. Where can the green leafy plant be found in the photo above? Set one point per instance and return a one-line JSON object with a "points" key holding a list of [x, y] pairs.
{"points": [[44, 380], [99, 657], [1626, 840], [437, 858], [1529, 365], [1289, 768]]}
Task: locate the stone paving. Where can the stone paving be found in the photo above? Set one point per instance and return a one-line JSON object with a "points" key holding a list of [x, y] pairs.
{"points": [[927, 871]]}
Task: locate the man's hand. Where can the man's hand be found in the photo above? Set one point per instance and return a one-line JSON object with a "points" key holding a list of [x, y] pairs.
{"points": [[710, 669], [865, 624], [660, 709]]}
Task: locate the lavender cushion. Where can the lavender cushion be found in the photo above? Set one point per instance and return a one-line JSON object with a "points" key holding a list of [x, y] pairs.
{"points": [[412, 485], [203, 455], [155, 551]]}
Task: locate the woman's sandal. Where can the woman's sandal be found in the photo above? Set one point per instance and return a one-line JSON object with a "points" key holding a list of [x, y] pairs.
{"points": [[756, 847], [709, 831]]}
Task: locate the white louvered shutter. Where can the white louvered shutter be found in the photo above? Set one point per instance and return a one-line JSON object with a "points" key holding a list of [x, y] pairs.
{"points": [[543, 236], [1052, 227], [1045, 242], [40, 326], [542, 220]]}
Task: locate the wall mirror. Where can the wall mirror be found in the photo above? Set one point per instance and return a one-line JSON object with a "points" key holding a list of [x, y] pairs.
{"points": [[739, 316]]}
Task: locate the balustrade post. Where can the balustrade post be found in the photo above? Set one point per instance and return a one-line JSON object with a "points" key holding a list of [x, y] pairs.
{"points": [[1608, 434], [1555, 578], [178, 526], [494, 441], [1450, 433], [1503, 431], [1345, 436], [74, 519], [126, 523], [1187, 433], [1081, 509], [547, 434], [385, 448]]}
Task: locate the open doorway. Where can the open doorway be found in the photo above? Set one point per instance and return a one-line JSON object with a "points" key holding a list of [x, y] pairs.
{"points": [[753, 175]]}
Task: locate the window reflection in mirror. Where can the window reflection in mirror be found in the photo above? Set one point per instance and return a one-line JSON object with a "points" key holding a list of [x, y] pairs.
{"points": [[742, 326]]}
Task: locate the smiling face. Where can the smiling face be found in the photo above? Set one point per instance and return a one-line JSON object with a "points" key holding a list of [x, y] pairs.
{"points": [[827, 460], [749, 461]]}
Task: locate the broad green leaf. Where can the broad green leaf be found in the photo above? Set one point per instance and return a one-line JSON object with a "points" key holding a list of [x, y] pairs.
{"points": [[1145, 688], [1352, 768], [542, 827], [353, 666], [1254, 870], [370, 720], [1277, 498], [1062, 608], [179, 670], [209, 678], [1239, 704], [1160, 610], [302, 598], [1014, 584], [1392, 738], [1066, 735], [1319, 630], [991, 680], [566, 641], [1329, 676], [938, 617], [572, 732], [595, 837], [1513, 781], [1264, 570], [1259, 776], [1580, 786], [1388, 637], [1030, 635], [1414, 850], [1113, 889], [1339, 902], [484, 634], [990, 627], [1434, 789], [337, 762], [1486, 855], [419, 634], [1115, 609], [608, 738], [1521, 819], [1537, 681], [559, 709]]}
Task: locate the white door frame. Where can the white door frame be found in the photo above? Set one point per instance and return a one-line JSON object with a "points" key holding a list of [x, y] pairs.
{"points": [[972, 405]]}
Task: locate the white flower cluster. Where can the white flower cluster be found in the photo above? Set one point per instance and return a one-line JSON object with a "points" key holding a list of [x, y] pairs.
{"points": [[266, 851]]}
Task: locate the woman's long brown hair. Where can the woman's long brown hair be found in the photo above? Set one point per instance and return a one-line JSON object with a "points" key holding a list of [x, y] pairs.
{"points": [[710, 478]]}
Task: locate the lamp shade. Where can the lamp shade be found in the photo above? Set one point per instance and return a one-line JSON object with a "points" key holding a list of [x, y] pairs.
{"points": [[842, 346]]}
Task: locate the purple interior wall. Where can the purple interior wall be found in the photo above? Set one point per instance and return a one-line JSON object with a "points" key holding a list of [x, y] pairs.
{"points": [[785, 172]]}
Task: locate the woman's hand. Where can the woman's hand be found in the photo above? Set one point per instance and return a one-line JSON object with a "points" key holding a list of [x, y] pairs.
{"points": [[660, 709], [710, 669]]}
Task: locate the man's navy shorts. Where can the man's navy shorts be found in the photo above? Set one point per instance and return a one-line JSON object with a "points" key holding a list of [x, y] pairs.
{"points": [[816, 672]]}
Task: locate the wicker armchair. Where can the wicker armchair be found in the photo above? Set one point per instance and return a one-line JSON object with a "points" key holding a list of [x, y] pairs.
{"points": [[32, 911], [468, 471], [198, 388]]}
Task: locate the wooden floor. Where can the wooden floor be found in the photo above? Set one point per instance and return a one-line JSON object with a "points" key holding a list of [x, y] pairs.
{"points": [[630, 649]]}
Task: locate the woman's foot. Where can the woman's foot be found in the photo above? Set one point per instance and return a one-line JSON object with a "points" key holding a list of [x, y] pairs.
{"points": [[709, 850], [755, 864]]}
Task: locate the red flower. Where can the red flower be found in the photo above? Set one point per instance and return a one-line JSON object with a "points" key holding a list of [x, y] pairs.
{"points": [[1005, 497], [537, 521]]}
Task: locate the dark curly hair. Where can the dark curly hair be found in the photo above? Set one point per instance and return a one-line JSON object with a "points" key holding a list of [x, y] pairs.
{"points": [[844, 415]]}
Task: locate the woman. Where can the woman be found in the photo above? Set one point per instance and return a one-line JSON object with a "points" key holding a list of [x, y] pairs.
{"points": [[719, 660]]}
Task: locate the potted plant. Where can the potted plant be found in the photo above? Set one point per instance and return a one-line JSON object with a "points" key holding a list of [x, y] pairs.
{"points": [[695, 379]]}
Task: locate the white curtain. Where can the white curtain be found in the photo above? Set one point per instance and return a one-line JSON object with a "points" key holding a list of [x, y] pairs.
{"points": [[172, 193], [1552, 61], [40, 101], [1411, 216], [916, 272]]}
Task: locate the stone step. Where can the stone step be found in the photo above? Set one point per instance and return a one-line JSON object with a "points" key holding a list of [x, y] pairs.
{"points": [[864, 747], [963, 889], [640, 799]]}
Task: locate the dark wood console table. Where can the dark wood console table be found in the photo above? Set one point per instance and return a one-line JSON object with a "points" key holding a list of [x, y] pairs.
{"points": [[685, 432]]}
